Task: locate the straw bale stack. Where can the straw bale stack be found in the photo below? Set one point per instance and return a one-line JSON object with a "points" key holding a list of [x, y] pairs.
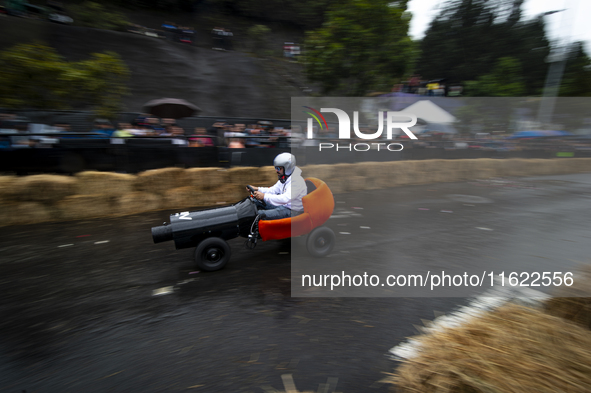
{"points": [[80, 207], [267, 176], [356, 183], [573, 302], [13, 213], [7, 186], [138, 202], [181, 197], [105, 183], [159, 181], [323, 172], [206, 178], [513, 349], [370, 172], [43, 188]]}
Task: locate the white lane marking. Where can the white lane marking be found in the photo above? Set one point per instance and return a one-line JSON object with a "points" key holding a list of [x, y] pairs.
{"points": [[65, 245], [101, 242], [162, 291], [484, 229]]}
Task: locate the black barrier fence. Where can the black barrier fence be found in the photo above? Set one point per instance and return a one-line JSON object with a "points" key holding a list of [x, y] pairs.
{"points": [[133, 155], [83, 121]]}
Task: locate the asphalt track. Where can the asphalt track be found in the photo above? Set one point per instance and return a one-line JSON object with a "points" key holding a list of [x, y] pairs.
{"points": [[95, 306]]}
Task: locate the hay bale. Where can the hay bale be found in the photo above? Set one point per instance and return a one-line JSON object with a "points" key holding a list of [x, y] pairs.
{"points": [[246, 175], [80, 207], [206, 178], [15, 213], [356, 183], [181, 197], [343, 171], [137, 202], [584, 165], [104, 183], [394, 174], [573, 303], [188, 197], [43, 188], [511, 350], [7, 186], [231, 193], [370, 171], [267, 176], [158, 181], [322, 172], [337, 186]]}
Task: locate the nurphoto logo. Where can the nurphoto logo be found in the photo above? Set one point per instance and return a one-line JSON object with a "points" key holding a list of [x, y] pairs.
{"points": [[344, 121]]}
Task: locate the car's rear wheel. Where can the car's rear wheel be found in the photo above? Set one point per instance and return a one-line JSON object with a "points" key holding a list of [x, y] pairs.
{"points": [[320, 242], [212, 254]]}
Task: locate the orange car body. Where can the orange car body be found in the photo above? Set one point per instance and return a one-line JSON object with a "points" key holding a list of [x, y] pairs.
{"points": [[318, 207]]}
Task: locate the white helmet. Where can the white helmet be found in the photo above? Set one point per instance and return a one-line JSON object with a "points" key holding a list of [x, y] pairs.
{"points": [[287, 161]]}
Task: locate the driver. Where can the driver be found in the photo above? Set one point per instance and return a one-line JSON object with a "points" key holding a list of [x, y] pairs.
{"points": [[284, 199]]}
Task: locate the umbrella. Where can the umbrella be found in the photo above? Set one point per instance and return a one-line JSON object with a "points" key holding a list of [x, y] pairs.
{"points": [[170, 108]]}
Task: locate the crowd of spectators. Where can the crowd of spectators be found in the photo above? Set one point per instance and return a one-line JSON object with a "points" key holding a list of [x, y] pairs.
{"points": [[260, 134], [19, 132]]}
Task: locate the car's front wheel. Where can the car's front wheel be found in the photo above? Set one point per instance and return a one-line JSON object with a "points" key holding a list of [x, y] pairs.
{"points": [[212, 254]]}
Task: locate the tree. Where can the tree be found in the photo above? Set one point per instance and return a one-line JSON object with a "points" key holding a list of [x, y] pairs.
{"points": [[362, 46], [36, 76], [259, 35], [469, 36], [506, 80], [576, 81]]}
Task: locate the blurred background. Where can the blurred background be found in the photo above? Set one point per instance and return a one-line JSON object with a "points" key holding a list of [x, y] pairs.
{"points": [[127, 86], [82, 67]]}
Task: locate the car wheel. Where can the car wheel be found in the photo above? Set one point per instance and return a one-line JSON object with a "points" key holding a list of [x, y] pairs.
{"points": [[212, 254], [320, 242]]}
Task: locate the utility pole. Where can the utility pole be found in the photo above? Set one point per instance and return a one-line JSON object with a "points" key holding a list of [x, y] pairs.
{"points": [[557, 59]]}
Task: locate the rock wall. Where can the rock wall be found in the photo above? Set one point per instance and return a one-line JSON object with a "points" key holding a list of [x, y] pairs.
{"points": [[43, 198]]}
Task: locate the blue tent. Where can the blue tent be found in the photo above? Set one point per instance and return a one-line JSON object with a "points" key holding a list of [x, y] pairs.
{"points": [[537, 134]]}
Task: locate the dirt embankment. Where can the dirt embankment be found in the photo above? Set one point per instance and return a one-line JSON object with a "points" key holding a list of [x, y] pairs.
{"points": [[221, 83]]}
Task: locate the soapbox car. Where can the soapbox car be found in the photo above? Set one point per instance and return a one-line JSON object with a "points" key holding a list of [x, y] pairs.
{"points": [[209, 229]]}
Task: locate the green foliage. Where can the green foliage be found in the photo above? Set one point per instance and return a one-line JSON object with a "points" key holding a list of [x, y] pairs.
{"points": [[96, 15], [470, 36], [576, 81], [506, 80], [36, 76], [363, 46], [30, 77], [259, 35]]}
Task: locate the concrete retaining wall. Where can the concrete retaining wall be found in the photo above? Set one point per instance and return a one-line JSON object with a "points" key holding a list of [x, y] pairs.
{"points": [[42, 198]]}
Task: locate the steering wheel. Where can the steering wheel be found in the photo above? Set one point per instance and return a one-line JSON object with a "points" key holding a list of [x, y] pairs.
{"points": [[252, 198]]}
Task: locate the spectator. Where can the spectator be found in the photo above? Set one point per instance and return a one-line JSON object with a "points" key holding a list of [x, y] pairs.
{"points": [[154, 124], [104, 127], [124, 130], [200, 138], [236, 143], [178, 134], [257, 140], [62, 127]]}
